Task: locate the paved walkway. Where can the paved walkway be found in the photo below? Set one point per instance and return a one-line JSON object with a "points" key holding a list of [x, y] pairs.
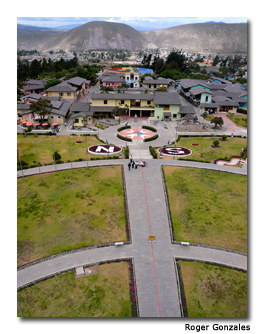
{"points": [[154, 261]]}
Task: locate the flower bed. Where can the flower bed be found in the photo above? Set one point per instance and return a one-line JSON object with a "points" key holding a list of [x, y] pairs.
{"points": [[195, 144], [213, 146], [78, 142]]}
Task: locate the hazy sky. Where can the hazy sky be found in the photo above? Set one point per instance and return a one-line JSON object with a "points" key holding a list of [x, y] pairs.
{"points": [[139, 23]]}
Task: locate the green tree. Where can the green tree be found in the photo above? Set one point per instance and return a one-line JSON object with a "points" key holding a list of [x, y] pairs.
{"points": [[217, 121], [56, 156], [216, 143], [41, 108], [35, 68], [177, 60], [51, 83]]}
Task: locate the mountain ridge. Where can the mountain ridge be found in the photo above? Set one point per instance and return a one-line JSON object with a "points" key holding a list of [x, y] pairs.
{"points": [[110, 35]]}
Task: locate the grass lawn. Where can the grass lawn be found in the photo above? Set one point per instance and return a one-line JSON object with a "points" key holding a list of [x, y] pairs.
{"points": [[68, 151], [208, 207], [203, 152], [239, 120], [103, 295], [213, 291], [69, 209]]}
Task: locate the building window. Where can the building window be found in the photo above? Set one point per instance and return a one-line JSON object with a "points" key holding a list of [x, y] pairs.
{"points": [[105, 101], [206, 99], [60, 94], [68, 94], [122, 101], [174, 115], [148, 102], [76, 120]]}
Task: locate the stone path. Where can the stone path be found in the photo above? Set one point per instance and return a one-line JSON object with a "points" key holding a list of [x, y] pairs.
{"points": [[154, 261]]}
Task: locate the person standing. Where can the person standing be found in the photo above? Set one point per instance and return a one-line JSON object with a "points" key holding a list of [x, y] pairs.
{"points": [[129, 164], [131, 159]]}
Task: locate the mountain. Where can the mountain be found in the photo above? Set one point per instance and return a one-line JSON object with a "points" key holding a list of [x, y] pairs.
{"points": [[31, 38], [109, 35], [209, 35]]}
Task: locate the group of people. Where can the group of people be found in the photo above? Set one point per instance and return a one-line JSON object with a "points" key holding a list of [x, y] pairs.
{"points": [[135, 165]]}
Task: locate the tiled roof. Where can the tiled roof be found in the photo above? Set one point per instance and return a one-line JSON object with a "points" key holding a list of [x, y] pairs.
{"points": [[187, 110], [23, 106], [167, 98], [62, 87], [76, 81], [80, 106]]}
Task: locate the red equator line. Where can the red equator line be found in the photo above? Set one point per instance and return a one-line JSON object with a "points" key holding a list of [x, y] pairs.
{"points": [[150, 234]]}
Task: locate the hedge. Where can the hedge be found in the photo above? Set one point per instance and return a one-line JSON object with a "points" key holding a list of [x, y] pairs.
{"points": [[153, 152], [149, 128], [151, 138], [123, 138], [123, 128]]}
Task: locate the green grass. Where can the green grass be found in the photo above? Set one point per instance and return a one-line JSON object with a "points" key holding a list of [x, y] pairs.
{"points": [[68, 149], [103, 295], [239, 120], [208, 207], [213, 291], [203, 152], [69, 209]]}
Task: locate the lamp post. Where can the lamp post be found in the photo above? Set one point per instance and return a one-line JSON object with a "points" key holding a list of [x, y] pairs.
{"points": [[54, 158], [70, 150], [37, 155], [175, 143], [20, 163], [241, 155], [86, 150]]}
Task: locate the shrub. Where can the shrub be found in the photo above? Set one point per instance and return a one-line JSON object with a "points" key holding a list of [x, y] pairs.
{"points": [[123, 128], [123, 138], [151, 138], [149, 128], [153, 152], [216, 142], [126, 153], [56, 156], [224, 137]]}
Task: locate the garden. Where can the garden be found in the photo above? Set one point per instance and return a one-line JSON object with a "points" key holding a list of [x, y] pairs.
{"points": [[70, 209], [239, 120], [208, 207], [213, 291], [36, 148], [206, 149]]}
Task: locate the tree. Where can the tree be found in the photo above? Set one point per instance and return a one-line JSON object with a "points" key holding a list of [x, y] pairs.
{"points": [[217, 120], [51, 83], [146, 60], [119, 111], [56, 156], [35, 68], [176, 60], [236, 63], [216, 60], [42, 108], [216, 143]]}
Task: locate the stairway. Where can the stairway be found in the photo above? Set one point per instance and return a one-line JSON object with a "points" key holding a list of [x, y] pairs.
{"points": [[139, 153]]}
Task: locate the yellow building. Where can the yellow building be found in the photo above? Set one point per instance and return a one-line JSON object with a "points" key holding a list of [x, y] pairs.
{"points": [[63, 91], [131, 77], [137, 104]]}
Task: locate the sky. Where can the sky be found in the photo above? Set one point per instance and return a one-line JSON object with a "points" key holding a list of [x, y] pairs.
{"points": [[139, 23]]}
